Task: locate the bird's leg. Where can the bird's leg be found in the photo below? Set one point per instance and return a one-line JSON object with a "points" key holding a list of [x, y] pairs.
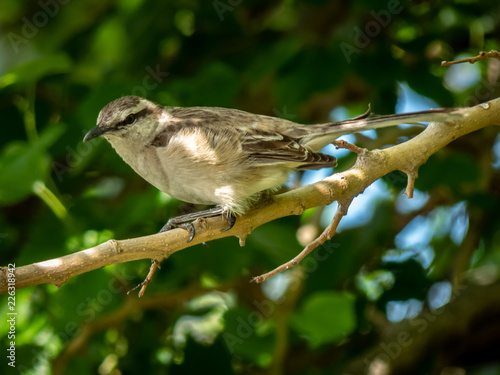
{"points": [[185, 221]]}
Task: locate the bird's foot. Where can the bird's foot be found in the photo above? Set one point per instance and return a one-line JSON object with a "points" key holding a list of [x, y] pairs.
{"points": [[186, 221]]}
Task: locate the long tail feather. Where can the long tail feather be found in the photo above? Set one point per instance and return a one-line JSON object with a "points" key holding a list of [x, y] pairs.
{"points": [[317, 136]]}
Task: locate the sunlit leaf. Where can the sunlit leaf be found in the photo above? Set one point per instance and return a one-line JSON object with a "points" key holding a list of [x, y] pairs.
{"points": [[325, 317]]}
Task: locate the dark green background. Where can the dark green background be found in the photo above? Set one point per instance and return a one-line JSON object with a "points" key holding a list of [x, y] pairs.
{"points": [[60, 63]]}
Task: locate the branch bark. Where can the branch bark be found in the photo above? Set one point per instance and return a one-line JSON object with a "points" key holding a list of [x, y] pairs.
{"points": [[482, 55], [342, 187]]}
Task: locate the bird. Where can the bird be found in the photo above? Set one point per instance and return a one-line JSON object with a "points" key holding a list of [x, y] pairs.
{"points": [[225, 157]]}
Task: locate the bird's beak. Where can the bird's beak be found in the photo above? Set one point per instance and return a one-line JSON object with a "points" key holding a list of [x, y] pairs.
{"points": [[95, 132]]}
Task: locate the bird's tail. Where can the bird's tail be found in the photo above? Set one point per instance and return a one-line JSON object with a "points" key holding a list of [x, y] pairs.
{"points": [[318, 136]]}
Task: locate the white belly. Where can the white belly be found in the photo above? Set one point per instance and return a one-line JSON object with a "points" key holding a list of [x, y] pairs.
{"points": [[229, 183]]}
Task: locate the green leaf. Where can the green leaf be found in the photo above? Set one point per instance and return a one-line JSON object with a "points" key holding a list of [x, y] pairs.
{"points": [[312, 70], [21, 164], [325, 317], [276, 241], [457, 171], [217, 84], [272, 57], [33, 71], [243, 337]]}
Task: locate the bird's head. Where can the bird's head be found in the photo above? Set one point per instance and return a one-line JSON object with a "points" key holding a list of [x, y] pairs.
{"points": [[129, 118]]}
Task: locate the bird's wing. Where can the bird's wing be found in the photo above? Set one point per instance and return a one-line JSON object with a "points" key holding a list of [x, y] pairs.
{"points": [[259, 137], [266, 148]]}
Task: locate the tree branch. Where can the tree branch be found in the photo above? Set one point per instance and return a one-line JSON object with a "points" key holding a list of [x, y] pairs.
{"points": [[342, 187], [482, 55]]}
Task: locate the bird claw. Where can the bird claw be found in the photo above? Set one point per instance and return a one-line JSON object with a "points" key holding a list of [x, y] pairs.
{"points": [[231, 219], [187, 226], [186, 221]]}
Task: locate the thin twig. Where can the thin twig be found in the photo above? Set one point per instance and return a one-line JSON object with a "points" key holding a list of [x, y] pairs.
{"points": [[327, 234], [346, 145], [154, 265], [482, 55]]}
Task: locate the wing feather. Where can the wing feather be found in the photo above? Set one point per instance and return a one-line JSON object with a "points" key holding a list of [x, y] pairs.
{"points": [[257, 136], [275, 148]]}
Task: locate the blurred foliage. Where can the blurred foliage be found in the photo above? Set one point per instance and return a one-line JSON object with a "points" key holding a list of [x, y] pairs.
{"points": [[61, 62]]}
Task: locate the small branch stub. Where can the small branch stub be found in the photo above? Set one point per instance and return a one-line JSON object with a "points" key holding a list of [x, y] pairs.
{"points": [[410, 186]]}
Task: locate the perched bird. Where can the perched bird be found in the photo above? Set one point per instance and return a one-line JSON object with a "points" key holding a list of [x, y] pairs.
{"points": [[221, 156]]}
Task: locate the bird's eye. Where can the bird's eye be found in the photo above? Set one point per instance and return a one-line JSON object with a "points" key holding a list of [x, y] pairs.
{"points": [[130, 119]]}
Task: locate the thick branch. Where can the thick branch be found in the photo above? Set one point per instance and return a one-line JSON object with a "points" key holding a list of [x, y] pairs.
{"points": [[344, 186]]}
